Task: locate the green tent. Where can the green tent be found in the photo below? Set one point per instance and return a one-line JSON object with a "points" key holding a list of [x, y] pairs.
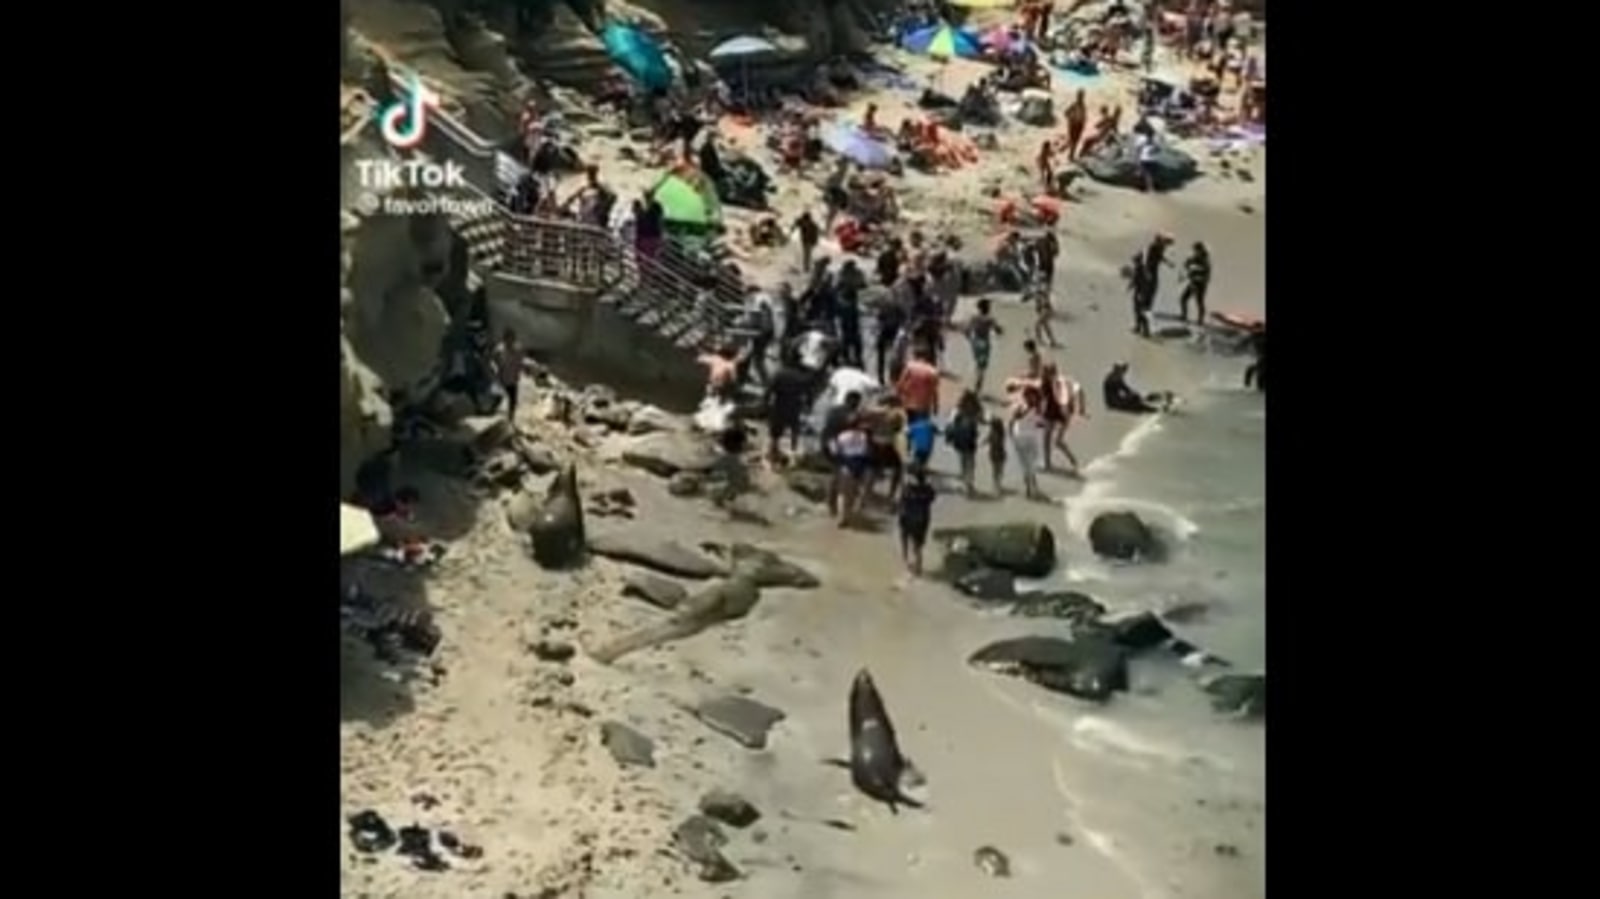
{"points": [[685, 204]]}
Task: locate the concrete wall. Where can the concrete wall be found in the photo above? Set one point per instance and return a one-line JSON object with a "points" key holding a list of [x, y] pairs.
{"points": [[585, 340]]}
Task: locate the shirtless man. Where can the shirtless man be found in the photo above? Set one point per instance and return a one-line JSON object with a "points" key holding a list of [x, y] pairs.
{"points": [[1077, 118]]}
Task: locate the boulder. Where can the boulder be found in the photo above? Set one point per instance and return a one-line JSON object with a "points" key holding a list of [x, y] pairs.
{"points": [[649, 420], [657, 591], [1087, 667], [666, 453], [744, 720], [1116, 162], [700, 840], [557, 533], [766, 569], [1067, 605], [1124, 536], [627, 746], [729, 808], [1027, 549], [666, 557], [1244, 695], [685, 484]]}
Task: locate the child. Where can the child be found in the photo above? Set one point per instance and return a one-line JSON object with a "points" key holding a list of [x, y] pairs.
{"points": [[963, 434], [981, 329], [916, 517], [920, 435], [997, 451]]}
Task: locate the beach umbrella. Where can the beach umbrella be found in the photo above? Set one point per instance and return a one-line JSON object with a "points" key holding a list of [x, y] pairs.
{"points": [[943, 42], [742, 48], [638, 54], [357, 530], [684, 204], [857, 146]]}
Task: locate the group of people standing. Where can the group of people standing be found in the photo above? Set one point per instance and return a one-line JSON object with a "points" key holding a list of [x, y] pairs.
{"points": [[1142, 275]]}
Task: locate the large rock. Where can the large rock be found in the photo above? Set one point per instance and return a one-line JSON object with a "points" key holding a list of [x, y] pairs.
{"points": [[557, 532], [666, 556], [744, 720], [1067, 605], [1117, 162], [1239, 694], [668, 452], [627, 746], [1124, 536], [1089, 668], [1027, 549]]}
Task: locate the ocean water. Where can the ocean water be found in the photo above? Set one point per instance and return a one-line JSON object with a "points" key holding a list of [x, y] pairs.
{"points": [[1160, 781]]}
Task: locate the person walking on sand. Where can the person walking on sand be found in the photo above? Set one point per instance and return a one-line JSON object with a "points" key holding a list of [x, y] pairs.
{"points": [[996, 442], [810, 234], [1043, 311], [981, 330], [1077, 114], [1046, 249], [786, 396], [1196, 279], [509, 362], [1045, 163], [1027, 435], [922, 433], [834, 423], [916, 517], [918, 385], [1062, 398], [962, 433], [1153, 259], [853, 452]]}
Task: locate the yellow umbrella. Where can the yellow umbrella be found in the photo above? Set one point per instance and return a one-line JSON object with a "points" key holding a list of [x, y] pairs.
{"points": [[357, 530], [980, 4]]}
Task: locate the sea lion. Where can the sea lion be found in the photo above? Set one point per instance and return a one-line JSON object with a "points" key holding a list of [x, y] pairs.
{"points": [[876, 765]]}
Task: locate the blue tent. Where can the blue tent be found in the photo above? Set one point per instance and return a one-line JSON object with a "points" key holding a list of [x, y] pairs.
{"points": [[638, 54]]}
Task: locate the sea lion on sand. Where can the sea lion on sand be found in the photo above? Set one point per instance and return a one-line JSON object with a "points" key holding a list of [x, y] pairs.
{"points": [[876, 765]]}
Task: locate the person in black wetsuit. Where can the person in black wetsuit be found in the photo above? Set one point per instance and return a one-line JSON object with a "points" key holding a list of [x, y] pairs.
{"points": [[1118, 396], [1196, 279], [1256, 373], [1153, 258]]}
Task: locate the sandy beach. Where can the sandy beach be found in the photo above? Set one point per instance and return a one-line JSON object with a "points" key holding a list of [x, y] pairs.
{"points": [[503, 747]]}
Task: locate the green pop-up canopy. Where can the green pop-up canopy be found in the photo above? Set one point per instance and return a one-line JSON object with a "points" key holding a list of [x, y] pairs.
{"points": [[685, 204]]}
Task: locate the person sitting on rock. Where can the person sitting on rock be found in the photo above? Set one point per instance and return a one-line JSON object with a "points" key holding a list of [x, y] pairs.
{"points": [[1118, 396]]}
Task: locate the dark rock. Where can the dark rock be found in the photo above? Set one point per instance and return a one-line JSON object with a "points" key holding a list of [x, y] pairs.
{"points": [[370, 833], [987, 583], [1067, 605], [1116, 162], [649, 420], [701, 841], [812, 485], [685, 484], [553, 650], [627, 746], [745, 720], [1124, 536], [557, 531], [657, 591], [1239, 694], [992, 861], [729, 808], [1089, 667], [1026, 549], [765, 568], [667, 557], [667, 453]]}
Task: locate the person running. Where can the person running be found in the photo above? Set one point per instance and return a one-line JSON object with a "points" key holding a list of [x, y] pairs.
{"points": [[996, 441], [963, 433], [981, 331], [1196, 278], [1027, 435], [916, 517]]}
